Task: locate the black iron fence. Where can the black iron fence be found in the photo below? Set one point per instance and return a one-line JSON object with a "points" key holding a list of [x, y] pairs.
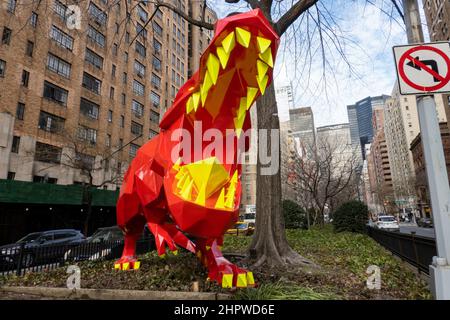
{"points": [[27, 258], [416, 250]]}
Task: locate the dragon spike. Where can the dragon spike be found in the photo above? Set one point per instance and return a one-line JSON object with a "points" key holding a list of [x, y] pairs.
{"points": [[181, 182], [262, 68], [238, 124], [207, 84], [263, 44], [251, 94], [229, 203], [266, 56], [220, 204], [262, 83], [176, 165], [229, 43], [186, 192], [201, 198], [190, 105], [196, 100], [223, 57], [243, 37], [213, 65], [234, 178], [242, 107]]}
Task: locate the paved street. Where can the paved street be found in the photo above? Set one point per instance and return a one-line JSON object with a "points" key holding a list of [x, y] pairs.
{"points": [[424, 232]]}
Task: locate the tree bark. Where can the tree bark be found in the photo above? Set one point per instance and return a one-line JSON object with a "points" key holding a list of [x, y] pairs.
{"points": [[269, 245]]}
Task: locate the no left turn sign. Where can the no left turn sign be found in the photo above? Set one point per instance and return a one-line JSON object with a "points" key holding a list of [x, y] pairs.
{"points": [[423, 68]]}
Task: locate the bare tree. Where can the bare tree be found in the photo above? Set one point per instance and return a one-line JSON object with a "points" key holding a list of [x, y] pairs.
{"points": [[327, 176]]}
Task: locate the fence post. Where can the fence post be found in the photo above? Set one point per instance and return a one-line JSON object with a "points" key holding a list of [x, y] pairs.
{"points": [[19, 261], [413, 236]]}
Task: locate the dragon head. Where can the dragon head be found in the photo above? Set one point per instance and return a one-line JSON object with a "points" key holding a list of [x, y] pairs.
{"points": [[234, 71]]}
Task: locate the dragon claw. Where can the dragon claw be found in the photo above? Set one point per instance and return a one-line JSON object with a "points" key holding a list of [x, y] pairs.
{"points": [[127, 265]]}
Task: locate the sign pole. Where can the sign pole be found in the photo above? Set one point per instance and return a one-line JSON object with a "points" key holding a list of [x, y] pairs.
{"points": [[439, 193]]}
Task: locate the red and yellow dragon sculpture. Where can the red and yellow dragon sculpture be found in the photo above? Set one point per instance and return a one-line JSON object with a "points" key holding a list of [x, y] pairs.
{"points": [[190, 200]]}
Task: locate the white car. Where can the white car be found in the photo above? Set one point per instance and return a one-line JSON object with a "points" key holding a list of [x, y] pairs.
{"points": [[388, 223]]}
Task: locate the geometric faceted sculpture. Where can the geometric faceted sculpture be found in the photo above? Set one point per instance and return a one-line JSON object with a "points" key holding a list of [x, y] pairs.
{"points": [[187, 192]]}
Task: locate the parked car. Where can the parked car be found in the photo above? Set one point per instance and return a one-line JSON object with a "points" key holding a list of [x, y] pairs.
{"points": [[40, 247], [107, 243], [388, 223], [243, 228], [425, 223]]}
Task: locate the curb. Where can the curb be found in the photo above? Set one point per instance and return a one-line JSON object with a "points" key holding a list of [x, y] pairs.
{"points": [[110, 294]]}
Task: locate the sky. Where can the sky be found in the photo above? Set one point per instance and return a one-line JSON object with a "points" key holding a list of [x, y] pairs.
{"points": [[367, 35]]}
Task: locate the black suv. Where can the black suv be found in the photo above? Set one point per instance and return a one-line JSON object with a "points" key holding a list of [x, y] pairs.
{"points": [[107, 243], [39, 247]]}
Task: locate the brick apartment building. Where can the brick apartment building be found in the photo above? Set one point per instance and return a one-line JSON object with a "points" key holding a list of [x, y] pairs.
{"points": [[86, 99], [77, 100]]}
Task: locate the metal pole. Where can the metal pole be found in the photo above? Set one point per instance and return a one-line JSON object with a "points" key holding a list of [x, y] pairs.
{"points": [[438, 184], [439, 193]]}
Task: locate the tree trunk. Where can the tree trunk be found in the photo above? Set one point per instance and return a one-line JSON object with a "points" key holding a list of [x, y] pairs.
{"points": [[88, 195], [269, 245]]}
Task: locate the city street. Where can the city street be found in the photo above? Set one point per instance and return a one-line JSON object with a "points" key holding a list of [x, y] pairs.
{"points": [[424, 232]]}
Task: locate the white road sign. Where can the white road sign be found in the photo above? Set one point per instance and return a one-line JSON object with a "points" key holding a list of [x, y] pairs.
{"points": [[423, 68]]}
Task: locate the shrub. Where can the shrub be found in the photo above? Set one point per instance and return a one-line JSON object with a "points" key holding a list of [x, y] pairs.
{"points": [[294, 215], [351, 216]]}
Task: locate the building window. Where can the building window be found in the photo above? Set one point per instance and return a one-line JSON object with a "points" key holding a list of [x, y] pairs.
{"points": [[125, 57], [87, 134], [133, 149], [25, 78], [138, 88], [114, 49], [154, 117], [157, 29], [156, 81], [124, 99], [142, 14], [60, 9], [127, 37], [140, 48], [2, 68], [157, 46], [137, 108], [58, 65], [15, 144], [33, 19], [12, 6], [96, 36], [108, 140], [124, 77], [155, 99], [55, 93], [139, 69], [156, 63], [122, 121], [113, 71], [20, 111], [94, 59], [85, 161], [140, 30], [46, 179], [6, 36], [110, 115], [61, 38], [97, 14], [111, 93], [152, 134], [50, 122], [11, 175], [89, 108], [136, 128], [47, 153], [29, 48], [91, 83]]}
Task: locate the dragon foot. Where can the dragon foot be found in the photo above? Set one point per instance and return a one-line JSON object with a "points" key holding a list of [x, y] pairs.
{"points": [[127, 263]]}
